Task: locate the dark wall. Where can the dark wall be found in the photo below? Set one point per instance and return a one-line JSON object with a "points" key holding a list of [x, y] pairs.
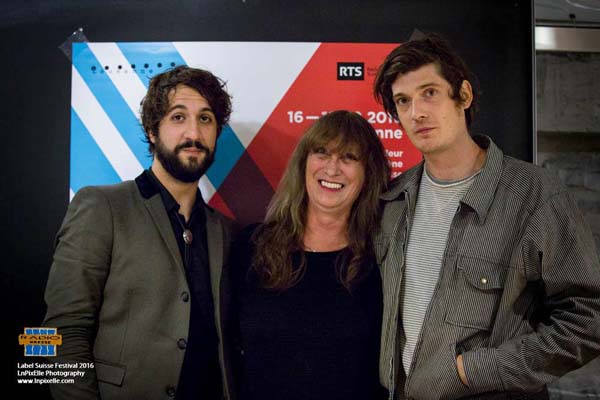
{"points": [[494, 37]]}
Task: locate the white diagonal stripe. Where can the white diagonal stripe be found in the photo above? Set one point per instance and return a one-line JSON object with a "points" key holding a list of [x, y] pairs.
{"points": [[127, 82], [103, 131], [206, 188], [274, 64]]}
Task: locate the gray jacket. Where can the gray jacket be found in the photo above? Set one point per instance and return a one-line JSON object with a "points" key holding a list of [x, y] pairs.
{"points": [[518, 293], [118, 294]]}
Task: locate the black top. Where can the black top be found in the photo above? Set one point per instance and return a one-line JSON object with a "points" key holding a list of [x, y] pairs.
{"points": [[200, 376], [313, 341]]}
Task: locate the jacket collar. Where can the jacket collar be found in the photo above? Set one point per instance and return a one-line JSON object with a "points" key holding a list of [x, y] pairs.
{"points": [[480, 195], [158, 210], [149, 185], [408, 180]]}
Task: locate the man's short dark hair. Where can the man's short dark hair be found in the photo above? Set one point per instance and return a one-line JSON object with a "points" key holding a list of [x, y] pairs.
{"points": [[412, 55], [156, 102]]}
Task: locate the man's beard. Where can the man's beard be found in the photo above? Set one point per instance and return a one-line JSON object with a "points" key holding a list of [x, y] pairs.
{"points": [[184, 172]]}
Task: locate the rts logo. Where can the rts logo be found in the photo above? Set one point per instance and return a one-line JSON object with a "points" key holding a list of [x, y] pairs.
{"points": [[350, 71]]}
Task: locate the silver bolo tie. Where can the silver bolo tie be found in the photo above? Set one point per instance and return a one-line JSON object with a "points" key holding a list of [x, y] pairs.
{"points": [[187, 236], [187, 233]]}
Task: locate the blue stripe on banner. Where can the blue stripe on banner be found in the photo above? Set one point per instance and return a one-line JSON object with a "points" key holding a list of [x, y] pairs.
{"points": [[112, 102], [77, 49], [229, 151], [149, 59], [89, 166]]}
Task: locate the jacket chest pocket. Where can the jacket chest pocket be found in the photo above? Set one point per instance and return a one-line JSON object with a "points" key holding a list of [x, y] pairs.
{"points": [[476, 294]]}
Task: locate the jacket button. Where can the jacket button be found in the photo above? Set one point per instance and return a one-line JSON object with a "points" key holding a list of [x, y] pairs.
{"points": [[171, 391], [182, 344], [484, 281], [185, 296]]}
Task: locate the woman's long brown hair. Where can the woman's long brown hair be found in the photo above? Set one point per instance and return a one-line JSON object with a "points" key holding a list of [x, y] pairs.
{"points": [[279, 240]]}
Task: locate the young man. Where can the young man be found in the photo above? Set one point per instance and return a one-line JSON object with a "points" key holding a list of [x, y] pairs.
{"points": [[491, 278], [137, 284]]}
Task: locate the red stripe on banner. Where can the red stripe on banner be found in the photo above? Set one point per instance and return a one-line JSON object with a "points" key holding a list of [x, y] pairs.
{"points": [[246, 191], [217, 202], [338, 76]]}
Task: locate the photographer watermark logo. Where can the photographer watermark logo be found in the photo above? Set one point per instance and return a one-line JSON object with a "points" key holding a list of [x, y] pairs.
{"points": [[40, 342]]}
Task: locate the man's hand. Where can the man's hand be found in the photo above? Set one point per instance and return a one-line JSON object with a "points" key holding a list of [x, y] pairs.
{"points": [[461, 370]]}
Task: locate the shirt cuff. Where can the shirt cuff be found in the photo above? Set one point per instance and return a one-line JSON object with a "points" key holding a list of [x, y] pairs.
{"points": [[481, 369]]}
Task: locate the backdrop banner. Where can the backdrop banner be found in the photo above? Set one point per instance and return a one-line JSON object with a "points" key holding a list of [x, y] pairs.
{"points": [[279, 89]]}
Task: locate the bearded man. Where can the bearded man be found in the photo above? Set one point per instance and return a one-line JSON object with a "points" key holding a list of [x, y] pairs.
{"points": [[138, 288]]}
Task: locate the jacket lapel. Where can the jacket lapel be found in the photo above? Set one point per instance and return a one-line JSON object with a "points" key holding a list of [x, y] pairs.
{"points": [[214, 240], [156, 208]]}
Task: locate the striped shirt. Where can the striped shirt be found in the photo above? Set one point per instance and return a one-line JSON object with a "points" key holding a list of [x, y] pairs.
{"points": [[518, 293], [436, 205]]}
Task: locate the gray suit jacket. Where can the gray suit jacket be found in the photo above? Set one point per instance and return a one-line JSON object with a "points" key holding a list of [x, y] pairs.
{"points": [[117, 292]]}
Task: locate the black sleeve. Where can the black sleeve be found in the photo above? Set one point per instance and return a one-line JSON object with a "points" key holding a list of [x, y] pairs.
{"points": [[240, 263]]}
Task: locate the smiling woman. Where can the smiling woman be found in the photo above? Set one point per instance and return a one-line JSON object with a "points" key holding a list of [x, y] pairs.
{"points": [[310, 303], [334, 180], [334, 150]]}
